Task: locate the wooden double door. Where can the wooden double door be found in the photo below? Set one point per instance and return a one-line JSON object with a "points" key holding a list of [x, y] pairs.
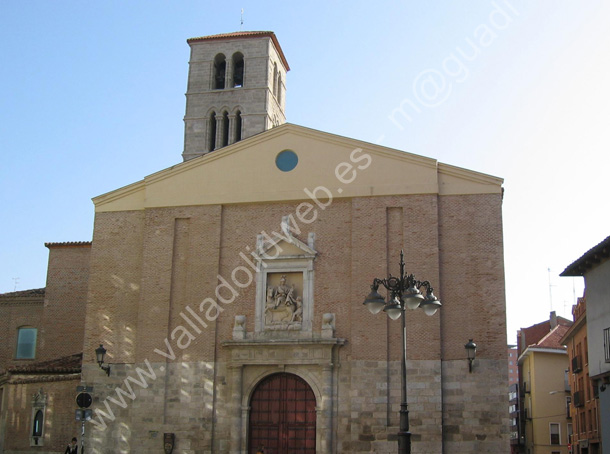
{"points": [[282, 416]]}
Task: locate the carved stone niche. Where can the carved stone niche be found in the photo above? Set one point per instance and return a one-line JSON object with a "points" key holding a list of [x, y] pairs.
{"points": [[39, 404], [284, 285]]}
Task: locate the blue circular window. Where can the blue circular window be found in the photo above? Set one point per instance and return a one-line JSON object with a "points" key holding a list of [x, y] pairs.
{"points": [[286, 160]]}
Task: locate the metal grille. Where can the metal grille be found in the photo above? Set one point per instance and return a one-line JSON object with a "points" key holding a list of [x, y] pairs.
{"points": [[282, 416]]}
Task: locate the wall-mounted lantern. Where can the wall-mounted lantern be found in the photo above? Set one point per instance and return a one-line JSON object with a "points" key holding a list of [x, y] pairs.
{"points": [[471, 349], [99, 355]]}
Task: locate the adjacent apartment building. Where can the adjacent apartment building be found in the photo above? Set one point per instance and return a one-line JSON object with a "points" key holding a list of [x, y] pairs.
{"points": [[545, 425], [594, 266], [584, 399]]}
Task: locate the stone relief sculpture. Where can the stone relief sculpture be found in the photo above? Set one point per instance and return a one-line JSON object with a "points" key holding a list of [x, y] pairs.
{"points": [[284, 284], [39, 399], [282, 307]]}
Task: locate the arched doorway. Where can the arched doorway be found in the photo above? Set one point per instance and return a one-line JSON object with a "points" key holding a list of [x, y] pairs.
{"points": [[282, 416]]}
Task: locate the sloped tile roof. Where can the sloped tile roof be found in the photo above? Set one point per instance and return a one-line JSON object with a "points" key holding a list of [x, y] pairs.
{"points": [[69, 243], [553, 339], [240, 34], [535, 333], [24, 293], [245, 35], [67, 364], [589, 259]]}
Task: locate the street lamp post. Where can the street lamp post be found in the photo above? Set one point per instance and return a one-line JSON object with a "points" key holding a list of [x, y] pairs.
{"points": [[404, 293]]}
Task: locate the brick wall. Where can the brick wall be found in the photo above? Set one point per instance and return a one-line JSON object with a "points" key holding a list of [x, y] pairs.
{"points": [[148, 268], [65, 300], [18, 312], [59, 421]]}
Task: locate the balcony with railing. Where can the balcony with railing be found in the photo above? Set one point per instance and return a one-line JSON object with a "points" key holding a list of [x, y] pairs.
{"points": [[607, 344]]}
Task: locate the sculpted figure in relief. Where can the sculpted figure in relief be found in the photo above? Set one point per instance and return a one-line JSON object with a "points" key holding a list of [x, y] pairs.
{"points": [[283, 307]]}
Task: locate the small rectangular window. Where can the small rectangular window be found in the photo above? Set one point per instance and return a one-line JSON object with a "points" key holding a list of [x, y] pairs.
{"points": [[26, 343], [554, 429]]}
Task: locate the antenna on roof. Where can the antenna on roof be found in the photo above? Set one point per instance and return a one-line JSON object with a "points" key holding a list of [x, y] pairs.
{"points": [[241, 26], [15, 281], [550, 290]]}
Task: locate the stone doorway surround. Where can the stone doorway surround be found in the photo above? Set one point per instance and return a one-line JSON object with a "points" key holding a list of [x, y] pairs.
{"points": [[314, 360], [295, 348]]}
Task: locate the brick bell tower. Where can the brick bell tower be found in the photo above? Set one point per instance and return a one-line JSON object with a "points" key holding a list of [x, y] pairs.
{"points": [[236, 88]]}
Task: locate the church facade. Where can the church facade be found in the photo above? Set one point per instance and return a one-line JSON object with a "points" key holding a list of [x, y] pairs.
{"points": [[228, 289]]}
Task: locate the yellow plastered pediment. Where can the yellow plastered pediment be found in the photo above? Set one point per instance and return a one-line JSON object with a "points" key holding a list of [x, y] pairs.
{"points": [[246, 172]]}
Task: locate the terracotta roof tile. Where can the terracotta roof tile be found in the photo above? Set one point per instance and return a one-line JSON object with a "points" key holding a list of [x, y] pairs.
{"points": [[65, 364], [589, 259], [24, 293], [69, 243], [533, 334], [240, 34], [552, 339]]}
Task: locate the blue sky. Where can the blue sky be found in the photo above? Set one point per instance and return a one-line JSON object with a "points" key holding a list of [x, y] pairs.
{"points": [[92, 99]]}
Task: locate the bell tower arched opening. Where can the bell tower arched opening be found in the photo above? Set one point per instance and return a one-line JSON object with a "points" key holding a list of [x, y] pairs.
{"points": [[220, 69], [238, 70], [237, 126], [212, 132], [225, 128]]}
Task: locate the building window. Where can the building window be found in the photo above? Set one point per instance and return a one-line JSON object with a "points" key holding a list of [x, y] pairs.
{"points": [[225, 129], [274, 83], [286, 160], [554, 429], [237, 126], [238, 70], [37, 426], [220, 68], [39, 402], [586, 351], [607, 344], [26, 343], [212, 132]]}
